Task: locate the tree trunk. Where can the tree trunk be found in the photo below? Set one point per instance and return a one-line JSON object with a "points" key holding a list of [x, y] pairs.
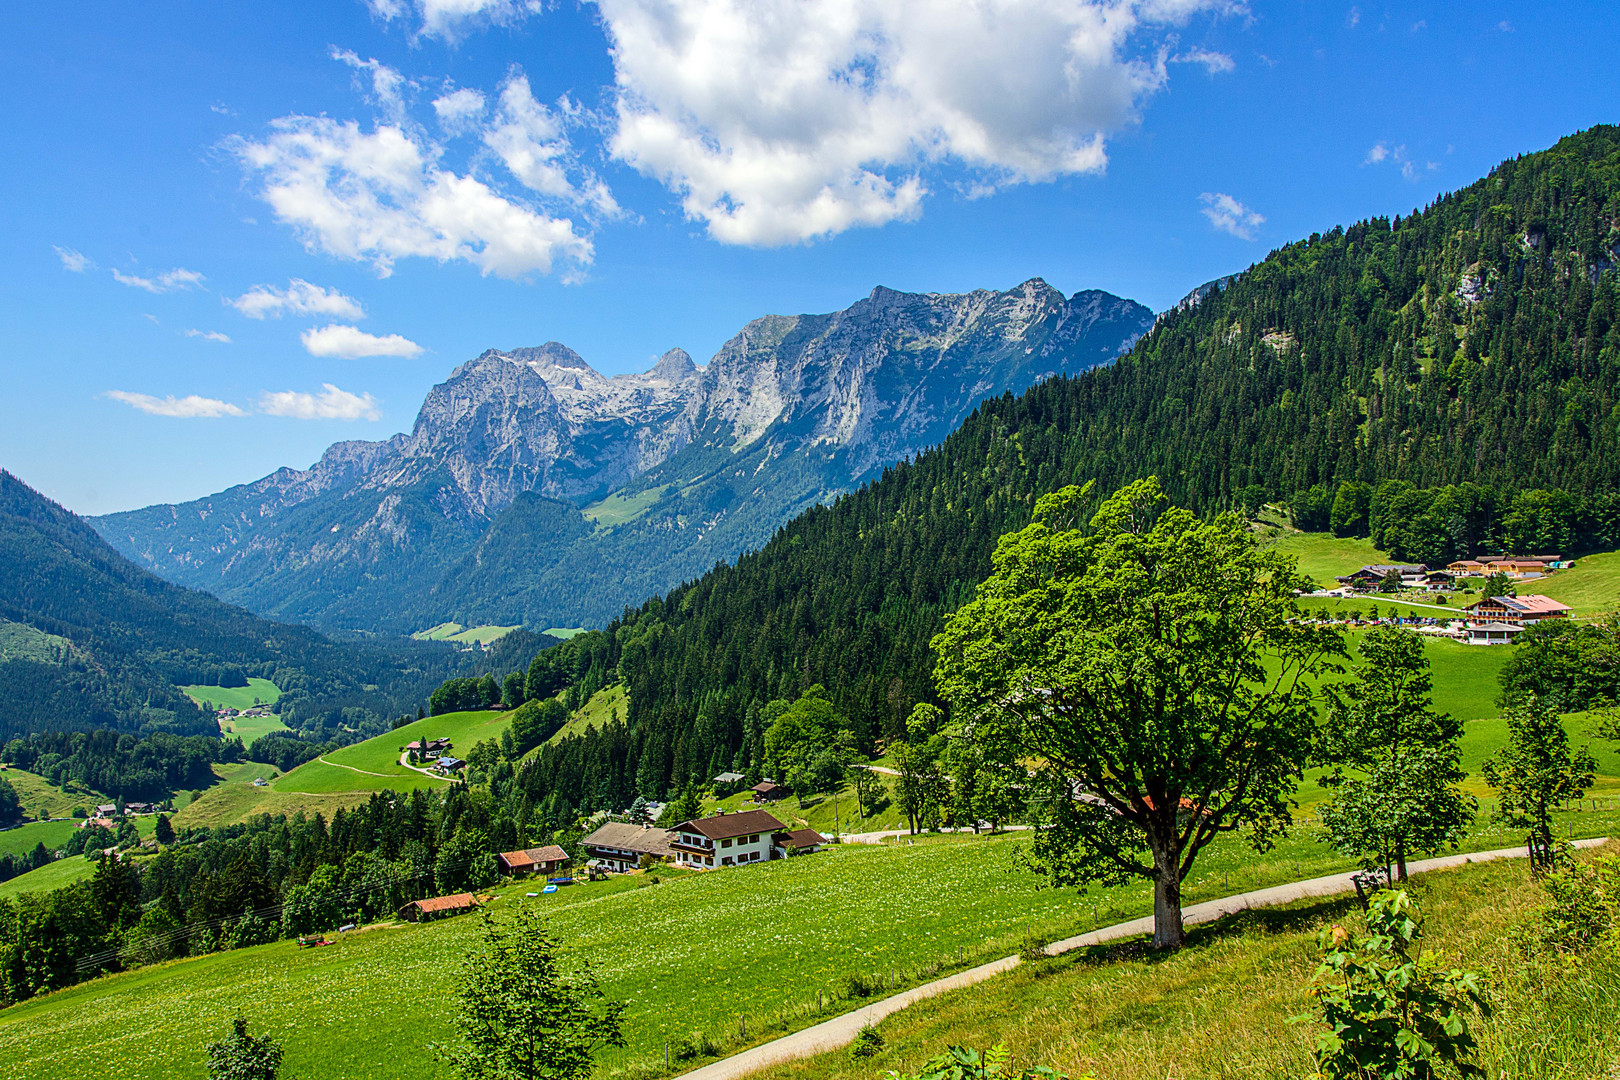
{"points": [[1168, 933], [1400, 860]]}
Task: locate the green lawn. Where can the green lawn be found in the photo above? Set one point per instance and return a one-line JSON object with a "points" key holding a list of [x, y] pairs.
{"points": [[1364, 606], [256, 692], [764, 942], [564, 632]]}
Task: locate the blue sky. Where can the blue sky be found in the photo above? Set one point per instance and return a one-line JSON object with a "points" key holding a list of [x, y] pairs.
{"points": [[238, 234]]}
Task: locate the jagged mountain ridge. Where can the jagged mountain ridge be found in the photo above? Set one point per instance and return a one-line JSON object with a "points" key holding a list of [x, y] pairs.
{"points": [[475, 514]]}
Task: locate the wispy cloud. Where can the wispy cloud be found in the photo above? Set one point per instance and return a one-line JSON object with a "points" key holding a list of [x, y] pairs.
{"points": [[330, 404], [190, 407], [1230, 216], [1216, 63], [298, 298], [75, 261], [1382, 152], [170, 281], [350, 342], [209, 335]]}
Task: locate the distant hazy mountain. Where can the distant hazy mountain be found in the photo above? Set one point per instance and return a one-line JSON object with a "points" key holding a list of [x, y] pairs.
{"points": [[532, 488], [89, 640]]}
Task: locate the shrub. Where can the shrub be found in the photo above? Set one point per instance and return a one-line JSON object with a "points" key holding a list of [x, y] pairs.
{"points": [[858, 985], [240, 1056], [867, 1043], [1582, 908], [965, 1063], [1391, 1017]]}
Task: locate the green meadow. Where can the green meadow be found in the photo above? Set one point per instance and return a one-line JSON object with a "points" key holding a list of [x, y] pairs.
{"points": [[256, 692], [601, 707], [64, 871], [465, 635], [43, 799], [53, 834], [1591, 588], [771, 946]]}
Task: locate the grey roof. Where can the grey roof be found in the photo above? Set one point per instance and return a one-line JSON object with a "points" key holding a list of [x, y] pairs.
{"points": [[728, 778], [629, 837]]}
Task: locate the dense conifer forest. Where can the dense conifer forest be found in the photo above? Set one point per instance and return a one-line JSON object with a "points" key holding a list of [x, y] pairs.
{"points": [[1454, 375]]}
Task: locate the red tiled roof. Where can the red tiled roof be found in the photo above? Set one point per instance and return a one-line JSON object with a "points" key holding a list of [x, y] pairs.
{"points": [[725, 826], [802, 838], [453, 902], [534, 856]]}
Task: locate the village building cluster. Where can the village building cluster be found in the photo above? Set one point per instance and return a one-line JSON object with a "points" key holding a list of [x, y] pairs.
{"points": [[1495, 620]]}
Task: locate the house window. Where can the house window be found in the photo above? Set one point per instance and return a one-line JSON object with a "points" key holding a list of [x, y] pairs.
{"points": [[725, 843], [754, 839]]}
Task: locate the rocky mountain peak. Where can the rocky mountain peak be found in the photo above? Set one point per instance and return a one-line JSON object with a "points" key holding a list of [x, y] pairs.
{"points": [[674, 365]]}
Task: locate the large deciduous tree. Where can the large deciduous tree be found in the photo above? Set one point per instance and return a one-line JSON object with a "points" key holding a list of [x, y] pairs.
{"points": [[1402, 798], [1153, 673]]}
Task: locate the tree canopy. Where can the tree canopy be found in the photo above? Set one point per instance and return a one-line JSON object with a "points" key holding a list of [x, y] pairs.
{"points": [[1152, 671]]}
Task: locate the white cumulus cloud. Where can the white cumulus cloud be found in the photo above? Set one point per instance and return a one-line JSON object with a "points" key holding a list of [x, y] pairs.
{"points": [[330, 404], [381, 195], [170, 281], [189, 407], [780, 122], [530, 140], [1216, 63], [351, 341], [209, 335], [1230, 216], [388, 86], [298, 298], [72, 260], [459, 111]]}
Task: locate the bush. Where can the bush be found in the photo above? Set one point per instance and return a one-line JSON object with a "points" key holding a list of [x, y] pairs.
{"points": [[965, 1063], [858, 985], [1582, 909], [240, 1056], [1391, 1016], [867, 1043]]}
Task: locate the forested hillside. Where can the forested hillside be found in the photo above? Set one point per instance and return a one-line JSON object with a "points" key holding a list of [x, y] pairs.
{"points": [[1476, 342], [93, 642]]}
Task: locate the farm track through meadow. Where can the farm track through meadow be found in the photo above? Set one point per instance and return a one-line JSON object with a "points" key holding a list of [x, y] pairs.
{"points": [[840, 1031]]}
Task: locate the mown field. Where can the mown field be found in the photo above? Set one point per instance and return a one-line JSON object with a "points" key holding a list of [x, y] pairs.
{"points": [[599, 708], [1129, 1016], [53, 834], [256, 692], [465, 635], [1591, 588], [763, 943]]}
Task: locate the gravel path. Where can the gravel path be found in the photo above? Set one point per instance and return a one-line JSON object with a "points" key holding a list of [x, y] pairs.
{"points": [[841, 1030]]}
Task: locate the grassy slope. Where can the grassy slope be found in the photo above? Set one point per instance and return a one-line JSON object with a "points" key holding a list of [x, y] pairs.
{"points": [[53, 834], [1121, 1015], [598, 710], [43, 799], [618, 509], [1323, 556], [466, 635], [563, 633], [66, 871], [374, 765], [256, 692], [1591, 588], [762, 942], [346, 778]]}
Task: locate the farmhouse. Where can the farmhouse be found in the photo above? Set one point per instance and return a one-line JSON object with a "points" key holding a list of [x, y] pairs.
{"points": [[1467, 568], [1518, 569], [1492, 633], [1369, 577], [449, 764], [621, 846], [540, 860], [438, 907], [726, 839], [1519, 609], [767, 792], [428, 746]]}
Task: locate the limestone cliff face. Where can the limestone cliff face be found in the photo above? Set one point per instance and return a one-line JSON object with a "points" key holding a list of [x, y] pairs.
{"points": [[792, 410]]}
